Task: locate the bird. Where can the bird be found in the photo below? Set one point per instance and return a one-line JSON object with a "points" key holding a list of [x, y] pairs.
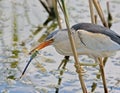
{"points": [[90, 39]]}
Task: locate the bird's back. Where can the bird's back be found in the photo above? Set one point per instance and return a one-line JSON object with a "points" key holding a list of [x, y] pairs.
{"points": [[90, 39], [93, 28]]}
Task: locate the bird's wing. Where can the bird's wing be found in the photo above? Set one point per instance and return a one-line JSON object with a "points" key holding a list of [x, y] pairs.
{"points": [[94, 28], [97, 41]]}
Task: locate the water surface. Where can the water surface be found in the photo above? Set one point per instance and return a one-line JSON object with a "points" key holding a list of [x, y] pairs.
{"points": [[18, 21]]}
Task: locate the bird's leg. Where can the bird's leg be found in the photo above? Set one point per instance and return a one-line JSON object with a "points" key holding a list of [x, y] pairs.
{"points": [[64, 62], [102, 74]]}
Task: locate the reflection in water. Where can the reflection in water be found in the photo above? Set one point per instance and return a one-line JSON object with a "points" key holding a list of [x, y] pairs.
{"points": [[21, 23], [63, 65]]}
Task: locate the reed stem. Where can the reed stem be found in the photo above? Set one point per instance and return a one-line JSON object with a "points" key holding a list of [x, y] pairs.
{"points": [[57, 14], [101, 15], [100, 12], [92, 11], [77, 65]]}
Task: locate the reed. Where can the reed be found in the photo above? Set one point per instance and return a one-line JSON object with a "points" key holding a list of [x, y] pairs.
{"points": [[57, 13], [109, 19], [101, 15], [77, 65], [49, 7], [92, 12], [100, 12], [106, 24]]}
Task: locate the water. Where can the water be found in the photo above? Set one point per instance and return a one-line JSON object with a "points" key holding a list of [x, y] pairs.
{"points": [[18, 21]]}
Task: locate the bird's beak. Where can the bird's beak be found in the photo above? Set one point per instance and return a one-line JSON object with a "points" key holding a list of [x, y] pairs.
{"points": [[42, 45], [35, 51]]}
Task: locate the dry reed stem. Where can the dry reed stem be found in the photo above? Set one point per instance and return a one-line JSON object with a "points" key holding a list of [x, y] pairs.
{"points": [[100, 12], [57, 14], [102, 62], [101, 15], [77, 65], [91, 11]]}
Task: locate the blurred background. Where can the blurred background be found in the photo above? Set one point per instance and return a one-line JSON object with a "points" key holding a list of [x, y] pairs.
{"points": [[26, 23]]}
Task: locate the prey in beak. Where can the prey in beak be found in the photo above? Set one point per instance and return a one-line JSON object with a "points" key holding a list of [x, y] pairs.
{"points": [[34, 52]]}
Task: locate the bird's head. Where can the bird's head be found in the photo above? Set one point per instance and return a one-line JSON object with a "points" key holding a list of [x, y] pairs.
{"points": [[48, 41], [51, 38]]}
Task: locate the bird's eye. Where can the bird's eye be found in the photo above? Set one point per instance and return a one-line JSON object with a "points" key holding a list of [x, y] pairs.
{"points": [[51, 39]]}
